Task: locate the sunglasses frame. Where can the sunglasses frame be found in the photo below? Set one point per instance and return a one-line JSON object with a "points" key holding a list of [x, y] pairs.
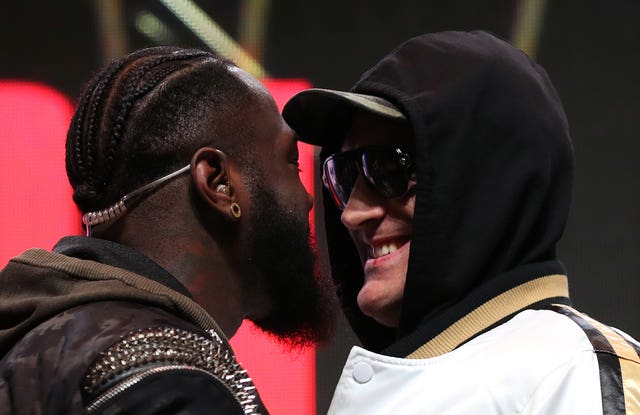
{"points": [[359, 156]]}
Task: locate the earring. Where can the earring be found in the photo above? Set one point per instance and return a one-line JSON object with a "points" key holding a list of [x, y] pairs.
{"points": [[223, 188], [234, 208]]}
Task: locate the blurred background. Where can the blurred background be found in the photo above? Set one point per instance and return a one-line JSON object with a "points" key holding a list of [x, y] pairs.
{"points": [[590, 49]]}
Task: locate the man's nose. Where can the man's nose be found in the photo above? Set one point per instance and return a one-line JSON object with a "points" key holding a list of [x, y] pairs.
{"points": [[309, 202], [363, 205]]}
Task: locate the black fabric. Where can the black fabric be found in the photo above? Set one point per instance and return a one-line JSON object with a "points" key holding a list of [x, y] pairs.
{"points": [[117, 255], [177, 392], [494, 174]]}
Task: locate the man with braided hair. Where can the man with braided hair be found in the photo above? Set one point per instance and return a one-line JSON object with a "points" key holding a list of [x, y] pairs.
{"points": [[188, 179]]}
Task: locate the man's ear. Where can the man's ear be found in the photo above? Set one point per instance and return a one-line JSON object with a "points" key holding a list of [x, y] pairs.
{"points": [[211, 173]]}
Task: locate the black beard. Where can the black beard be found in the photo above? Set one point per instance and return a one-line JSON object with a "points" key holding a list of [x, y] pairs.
{"points": [[304, 305]]}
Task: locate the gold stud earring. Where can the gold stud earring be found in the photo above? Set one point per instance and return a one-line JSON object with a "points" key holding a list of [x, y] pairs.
{"points": [[235, 210]]}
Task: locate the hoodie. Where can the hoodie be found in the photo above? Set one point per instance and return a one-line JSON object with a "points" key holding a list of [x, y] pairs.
{"points": [[97, 326], [494, 165]]}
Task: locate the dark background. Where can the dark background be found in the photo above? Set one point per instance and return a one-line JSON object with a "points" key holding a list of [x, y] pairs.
{"points": [[589, 48]]}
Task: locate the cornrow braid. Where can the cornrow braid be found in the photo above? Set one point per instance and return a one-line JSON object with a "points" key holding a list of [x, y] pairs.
{"points": [[96, 102], [76, 128], [133, 93], [92, 95], [146, 114]]}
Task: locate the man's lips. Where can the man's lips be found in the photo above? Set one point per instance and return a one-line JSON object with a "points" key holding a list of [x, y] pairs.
{"points": [[387, 247]]}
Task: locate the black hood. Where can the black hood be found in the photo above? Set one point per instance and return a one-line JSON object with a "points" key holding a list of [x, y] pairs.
{"points": [[494, 166]]}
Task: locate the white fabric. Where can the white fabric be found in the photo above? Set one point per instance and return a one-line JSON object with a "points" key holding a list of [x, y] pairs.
{"points": [[539, 362]]}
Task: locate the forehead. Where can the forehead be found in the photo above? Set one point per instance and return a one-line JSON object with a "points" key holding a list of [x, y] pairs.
{"points": [[368, 129], [261, 115], [270, 133]]}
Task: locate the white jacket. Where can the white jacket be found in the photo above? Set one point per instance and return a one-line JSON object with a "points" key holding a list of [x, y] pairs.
{"points": [[538, 362]]}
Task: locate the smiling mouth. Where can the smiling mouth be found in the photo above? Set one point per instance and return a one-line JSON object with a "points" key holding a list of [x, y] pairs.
{"points": [[385, 249]]}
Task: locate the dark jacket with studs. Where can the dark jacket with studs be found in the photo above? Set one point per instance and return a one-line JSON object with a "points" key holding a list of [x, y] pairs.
{"points": [[96, 327]]}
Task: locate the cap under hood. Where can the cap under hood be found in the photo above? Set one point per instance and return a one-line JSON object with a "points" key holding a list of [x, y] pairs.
{"points": [[494, 170]]}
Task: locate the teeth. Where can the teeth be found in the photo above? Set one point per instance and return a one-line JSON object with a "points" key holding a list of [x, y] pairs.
{"points": [[382, 250]]}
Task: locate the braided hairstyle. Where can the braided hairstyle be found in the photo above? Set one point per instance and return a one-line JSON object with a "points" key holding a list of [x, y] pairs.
{"points": [[146, 114]]}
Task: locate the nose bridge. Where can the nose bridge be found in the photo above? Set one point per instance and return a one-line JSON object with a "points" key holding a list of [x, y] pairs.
{"points": [[363, 205]]}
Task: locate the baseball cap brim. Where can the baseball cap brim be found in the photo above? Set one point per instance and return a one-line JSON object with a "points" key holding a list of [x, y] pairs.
{"points": [[323, 116]]}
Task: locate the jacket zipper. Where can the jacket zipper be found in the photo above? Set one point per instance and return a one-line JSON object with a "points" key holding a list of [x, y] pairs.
{"points": [[121, 387]]}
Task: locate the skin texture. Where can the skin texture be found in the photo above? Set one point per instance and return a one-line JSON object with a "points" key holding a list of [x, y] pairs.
{"points": [[187, 227], [373, 221]]}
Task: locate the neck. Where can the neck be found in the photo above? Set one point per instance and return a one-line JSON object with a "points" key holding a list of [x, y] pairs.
{"points": [[206, 274], [176, 241]]}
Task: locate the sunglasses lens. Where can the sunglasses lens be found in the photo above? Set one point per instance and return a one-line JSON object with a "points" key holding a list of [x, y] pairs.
{"points": [[386, 170], [340, 175]]}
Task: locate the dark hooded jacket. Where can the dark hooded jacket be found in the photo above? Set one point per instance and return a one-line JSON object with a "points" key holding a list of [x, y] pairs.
{"points": [[97, 325], [494, 175]]}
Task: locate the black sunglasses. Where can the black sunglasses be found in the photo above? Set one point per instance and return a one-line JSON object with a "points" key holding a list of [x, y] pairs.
{"points": [[387, 169]]}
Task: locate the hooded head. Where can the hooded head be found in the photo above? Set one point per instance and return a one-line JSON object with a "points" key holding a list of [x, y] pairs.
{"points": [[493, 169]]}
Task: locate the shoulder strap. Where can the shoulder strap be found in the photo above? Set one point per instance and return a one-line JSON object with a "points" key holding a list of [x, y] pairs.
{"points": [[618, 361]]}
